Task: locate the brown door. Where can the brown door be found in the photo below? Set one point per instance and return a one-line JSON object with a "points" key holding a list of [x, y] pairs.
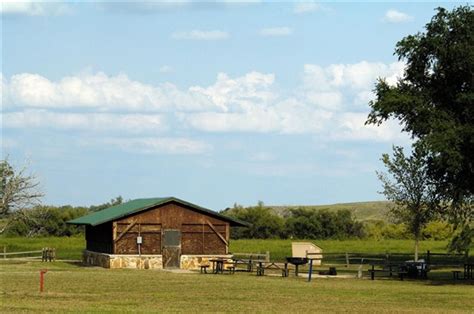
{"points": [[171, 248]]}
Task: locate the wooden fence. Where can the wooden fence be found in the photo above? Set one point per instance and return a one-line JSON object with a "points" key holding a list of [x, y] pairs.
{"points": [[434, 259], [45, 254], [264, 257]]}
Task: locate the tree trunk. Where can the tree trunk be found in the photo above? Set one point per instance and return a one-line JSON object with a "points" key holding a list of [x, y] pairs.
{"points": [[416, 248]]}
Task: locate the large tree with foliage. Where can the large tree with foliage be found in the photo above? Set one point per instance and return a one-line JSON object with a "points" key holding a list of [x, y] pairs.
{"points": [[18, 189], [434, 101], [264, 224], [411, 190]]}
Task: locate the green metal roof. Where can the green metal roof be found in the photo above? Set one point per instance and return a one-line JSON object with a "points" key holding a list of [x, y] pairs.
{"points": [[138, 205]]}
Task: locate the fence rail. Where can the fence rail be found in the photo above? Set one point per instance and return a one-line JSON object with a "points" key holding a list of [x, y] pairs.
{"points": [[435, 259], [253, 256], [45, 254]]}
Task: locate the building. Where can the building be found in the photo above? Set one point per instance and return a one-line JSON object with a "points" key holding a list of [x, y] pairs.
{"points": [[155, 233]]}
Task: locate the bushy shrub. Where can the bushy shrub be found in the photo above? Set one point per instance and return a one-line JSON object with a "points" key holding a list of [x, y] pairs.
{"points": [[396, 231], [437, 230], [379, 229], [322, 224]]}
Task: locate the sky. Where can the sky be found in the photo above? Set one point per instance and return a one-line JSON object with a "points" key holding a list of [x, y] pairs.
{"points": [[216, 103]]}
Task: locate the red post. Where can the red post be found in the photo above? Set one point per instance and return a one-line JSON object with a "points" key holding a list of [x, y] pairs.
{"points": [[42, 272]]}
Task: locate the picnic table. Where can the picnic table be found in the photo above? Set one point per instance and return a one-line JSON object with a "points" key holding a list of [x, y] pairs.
{"points": [[414, 269], [410, 269], [246, 262], [218, 265], [389, 268], [283, 267]]}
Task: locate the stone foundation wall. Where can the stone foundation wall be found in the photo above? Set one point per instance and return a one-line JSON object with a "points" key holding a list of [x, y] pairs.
{"points": [[123, 261], [193, 262]]}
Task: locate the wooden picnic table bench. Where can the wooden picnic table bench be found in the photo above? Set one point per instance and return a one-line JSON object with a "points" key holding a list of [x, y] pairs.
{"points": [[262, 266], [219, 265], [387, 268], [246, 262]]}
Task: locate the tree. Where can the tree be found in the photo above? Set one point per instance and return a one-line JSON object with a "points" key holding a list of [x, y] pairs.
{"points": [[44, 221], [113, 202], [264, 224], [411, 189], [18, 190], [434, 101]]}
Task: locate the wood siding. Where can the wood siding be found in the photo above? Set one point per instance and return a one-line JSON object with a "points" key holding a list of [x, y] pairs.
{"points": [[197, 236]]}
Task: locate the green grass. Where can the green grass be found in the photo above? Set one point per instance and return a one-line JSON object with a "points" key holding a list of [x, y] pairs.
{"points": [[71, 247], [66, 247], [72, 288]]}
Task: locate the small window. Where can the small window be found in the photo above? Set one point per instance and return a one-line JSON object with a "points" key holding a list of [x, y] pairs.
{"points": [[172, 238]]}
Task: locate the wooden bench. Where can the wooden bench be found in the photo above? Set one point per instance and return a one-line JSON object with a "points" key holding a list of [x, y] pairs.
{"points": [[373, 271], [204, 268], [245, 262], [262, 266], [456, 274], [230, 266]]}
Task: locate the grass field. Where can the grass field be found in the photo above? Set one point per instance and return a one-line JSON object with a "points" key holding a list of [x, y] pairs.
{"points": [[74, 288], [71, 247]]}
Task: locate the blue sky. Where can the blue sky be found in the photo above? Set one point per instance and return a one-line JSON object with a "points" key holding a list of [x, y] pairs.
{"points": [[215, 103]]}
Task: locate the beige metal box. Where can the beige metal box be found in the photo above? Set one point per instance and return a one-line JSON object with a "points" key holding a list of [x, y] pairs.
{"points": [[301, 249]]}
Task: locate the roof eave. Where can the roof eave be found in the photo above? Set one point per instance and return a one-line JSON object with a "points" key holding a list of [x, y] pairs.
{"points": [[232, 221]]}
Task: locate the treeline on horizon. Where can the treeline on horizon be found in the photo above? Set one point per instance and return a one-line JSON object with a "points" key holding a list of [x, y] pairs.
{"points": [[304, 223], [265, 223]]}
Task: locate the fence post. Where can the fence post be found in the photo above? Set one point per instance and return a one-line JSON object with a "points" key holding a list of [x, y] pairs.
{"points": [[347, 259], [267, 256], [428, 257], [4, 252], [310, 269]]}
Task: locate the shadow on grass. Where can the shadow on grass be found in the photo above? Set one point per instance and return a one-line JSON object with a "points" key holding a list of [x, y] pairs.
{"points": [[77, 263]]}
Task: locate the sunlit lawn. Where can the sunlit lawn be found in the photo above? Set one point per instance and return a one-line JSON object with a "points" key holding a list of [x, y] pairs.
{"points": [[72, 288]]}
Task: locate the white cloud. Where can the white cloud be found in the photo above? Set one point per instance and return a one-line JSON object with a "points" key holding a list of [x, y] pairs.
{"points": [[394, 16], [351, 126], [276, 31], [357, 76], [237, 94], [306, 7], [98, 91], [34, 8], [87, 122], [331, 103], [159, 146], [287, 117], [201, 35], [330, 87]]}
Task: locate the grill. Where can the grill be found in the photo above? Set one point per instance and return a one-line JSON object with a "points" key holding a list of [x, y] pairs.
{"points": [[297, 261]]}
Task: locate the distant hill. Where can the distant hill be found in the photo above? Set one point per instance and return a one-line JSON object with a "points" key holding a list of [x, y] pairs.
{"points": [[376, 210]]}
